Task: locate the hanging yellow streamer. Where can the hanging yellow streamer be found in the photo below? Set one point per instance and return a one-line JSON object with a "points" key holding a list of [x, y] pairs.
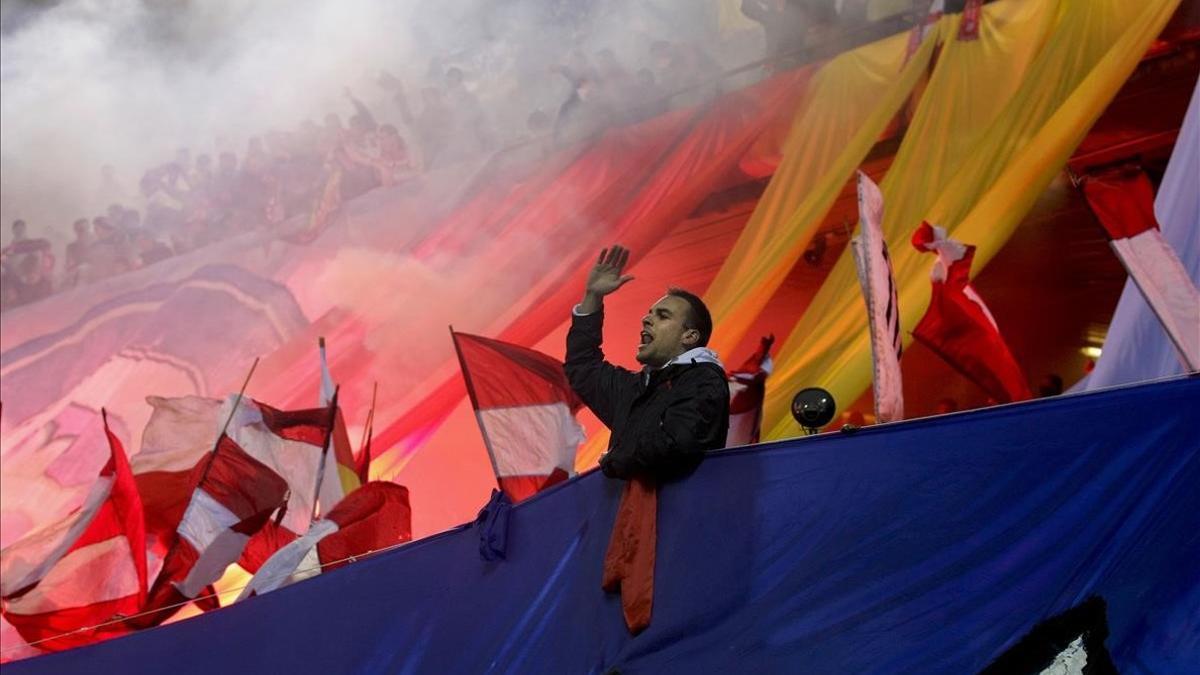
{"points": [[851, 100], [1092, 47]]}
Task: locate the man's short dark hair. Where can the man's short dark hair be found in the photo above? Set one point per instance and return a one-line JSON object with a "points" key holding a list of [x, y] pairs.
{"points": [[698, 315]]}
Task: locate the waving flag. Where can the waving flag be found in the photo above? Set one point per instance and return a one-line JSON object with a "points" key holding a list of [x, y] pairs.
{"points": [[180, 434], [958, 326], [95, 577], [874, 269], [234, 495], [1123, 201], [292, 444], [371, 518], [526, 411], [747, 385]]}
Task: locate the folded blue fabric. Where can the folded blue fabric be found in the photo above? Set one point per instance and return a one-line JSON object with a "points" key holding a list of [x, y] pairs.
{"points": [[492, 523]]}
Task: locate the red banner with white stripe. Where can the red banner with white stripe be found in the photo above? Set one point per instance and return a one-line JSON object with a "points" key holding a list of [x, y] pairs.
{"points": [[526, 411], [1123, 201]]}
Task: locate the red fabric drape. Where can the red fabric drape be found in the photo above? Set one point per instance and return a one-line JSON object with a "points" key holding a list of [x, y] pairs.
{"points": [[1123, 201], [629, 560]]}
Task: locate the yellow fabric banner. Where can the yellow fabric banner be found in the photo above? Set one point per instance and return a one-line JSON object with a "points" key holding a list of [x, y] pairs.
{"points": [[850, 102], [991, 177]]}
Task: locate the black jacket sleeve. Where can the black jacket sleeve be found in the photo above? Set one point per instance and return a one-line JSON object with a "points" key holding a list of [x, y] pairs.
{"points": [[598, 383], [695, 421]]}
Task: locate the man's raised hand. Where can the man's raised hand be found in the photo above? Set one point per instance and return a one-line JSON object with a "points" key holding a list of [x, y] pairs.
{"points": [[606, 277]]}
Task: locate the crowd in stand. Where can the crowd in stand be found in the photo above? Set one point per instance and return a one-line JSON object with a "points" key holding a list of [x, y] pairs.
{"points": [[198, 199], [193, 201]]}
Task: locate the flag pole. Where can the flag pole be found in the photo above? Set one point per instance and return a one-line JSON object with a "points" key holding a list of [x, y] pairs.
{"points": [[237, 402], [367, 426], [362, 463], [462, 366], [333, 404]]}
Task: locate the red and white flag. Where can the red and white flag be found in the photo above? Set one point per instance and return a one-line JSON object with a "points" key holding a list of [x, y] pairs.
{"points": [[526, 411], [292, 444], [179, 435], [1123, 201], [958, 326], [874, 269], [95, 577], [371, 518], [747, 387], [233, 496]]}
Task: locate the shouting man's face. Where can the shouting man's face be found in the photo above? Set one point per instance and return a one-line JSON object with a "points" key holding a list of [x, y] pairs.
{"points": [[664, 335]]}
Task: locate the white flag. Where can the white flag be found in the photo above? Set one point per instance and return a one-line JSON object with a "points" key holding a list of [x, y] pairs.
{"points": [[879, 291]]}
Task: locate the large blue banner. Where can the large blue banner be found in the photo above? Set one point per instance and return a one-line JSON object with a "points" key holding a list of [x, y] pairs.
{"points": [[931, 546]]}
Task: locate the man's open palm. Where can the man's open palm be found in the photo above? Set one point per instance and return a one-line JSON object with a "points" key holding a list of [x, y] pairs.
{"points": [[607, 276]]}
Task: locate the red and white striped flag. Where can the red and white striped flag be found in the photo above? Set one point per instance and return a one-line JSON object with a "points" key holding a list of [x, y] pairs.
{"points": [[233, 496], [371, 518], [747, 387], [874, 269], [292, 444], [1123, 201], [180, 435], [958, 326], [95, 577], [526, 411]]}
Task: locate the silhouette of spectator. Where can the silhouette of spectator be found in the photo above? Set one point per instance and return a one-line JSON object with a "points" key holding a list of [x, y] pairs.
{"points": [[77, 254]]}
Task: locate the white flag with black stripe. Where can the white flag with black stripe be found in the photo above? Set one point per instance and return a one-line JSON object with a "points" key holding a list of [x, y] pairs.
{"points": [[874, 269]]}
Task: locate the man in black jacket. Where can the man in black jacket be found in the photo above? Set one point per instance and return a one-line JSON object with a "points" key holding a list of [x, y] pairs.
{"points": [[666, 417]]}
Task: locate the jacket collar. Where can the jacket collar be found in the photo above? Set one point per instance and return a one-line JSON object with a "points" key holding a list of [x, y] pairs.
{"points": [[697, 355], [691, 356]]}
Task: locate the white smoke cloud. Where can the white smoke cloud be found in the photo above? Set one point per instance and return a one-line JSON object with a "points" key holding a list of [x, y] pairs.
{"points": [[87, 83]]}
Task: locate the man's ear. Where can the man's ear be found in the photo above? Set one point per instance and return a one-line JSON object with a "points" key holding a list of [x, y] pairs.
{"points": [[690, 338]]}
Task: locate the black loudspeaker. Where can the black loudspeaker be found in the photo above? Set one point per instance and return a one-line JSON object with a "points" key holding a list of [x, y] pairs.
{"points": [[813, 408]]}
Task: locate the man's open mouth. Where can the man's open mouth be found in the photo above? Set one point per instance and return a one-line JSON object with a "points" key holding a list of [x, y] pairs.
{"points": [[646, 338]]}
